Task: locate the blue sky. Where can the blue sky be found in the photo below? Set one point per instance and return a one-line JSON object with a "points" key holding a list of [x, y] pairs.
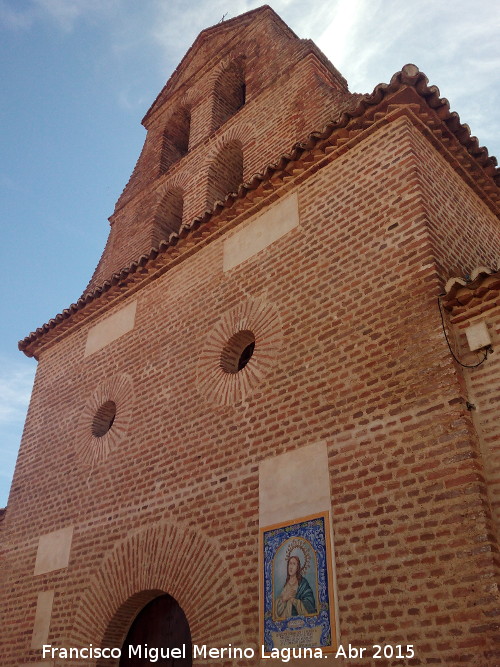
{"points": [[77, 77]]}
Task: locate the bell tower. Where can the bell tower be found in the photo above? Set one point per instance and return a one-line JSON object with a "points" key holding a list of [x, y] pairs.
{"points": [[215, 125]]}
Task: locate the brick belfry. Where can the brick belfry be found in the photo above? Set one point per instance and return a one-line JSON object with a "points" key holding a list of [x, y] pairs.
{"points": [[271, 420]]}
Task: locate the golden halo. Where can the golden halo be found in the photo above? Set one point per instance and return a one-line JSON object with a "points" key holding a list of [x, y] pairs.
{"points": [[298, 544]]}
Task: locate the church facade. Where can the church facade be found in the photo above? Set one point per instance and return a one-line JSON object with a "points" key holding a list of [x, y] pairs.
{"points": [[271, 424]]}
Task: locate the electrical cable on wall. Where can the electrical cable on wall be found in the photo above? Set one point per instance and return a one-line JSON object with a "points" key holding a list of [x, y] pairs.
{"points": [[488, 349]]}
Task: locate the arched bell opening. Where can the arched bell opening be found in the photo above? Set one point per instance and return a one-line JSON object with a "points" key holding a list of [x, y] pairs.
{"points": [[229, 93], [147, 628], [168, 215], [175, 139], [225, 173]]}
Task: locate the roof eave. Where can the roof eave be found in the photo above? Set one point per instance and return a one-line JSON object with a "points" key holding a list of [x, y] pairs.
{"points": [[306, 153]]}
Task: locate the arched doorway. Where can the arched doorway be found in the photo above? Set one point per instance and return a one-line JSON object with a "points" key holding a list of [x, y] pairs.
{"points": [[160, 626]]}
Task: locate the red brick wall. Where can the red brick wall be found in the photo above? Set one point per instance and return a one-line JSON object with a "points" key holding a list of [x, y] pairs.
{"points": [[482, 384], [362, 365], [464, 231]]}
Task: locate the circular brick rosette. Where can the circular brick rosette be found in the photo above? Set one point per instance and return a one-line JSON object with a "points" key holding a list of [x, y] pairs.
{"points": [[105, 419], [252, 322]]}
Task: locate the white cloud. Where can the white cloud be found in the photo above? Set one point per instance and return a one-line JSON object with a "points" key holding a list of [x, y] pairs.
{"points": [[16, 382], [370, 40], [15, 19], [176, 25], [128, 99], [8, 183], [339, 36], [65, 13]]}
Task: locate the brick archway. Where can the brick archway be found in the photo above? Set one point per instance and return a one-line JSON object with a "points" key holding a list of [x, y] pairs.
{"points": [[116, 631], [163, 558]]}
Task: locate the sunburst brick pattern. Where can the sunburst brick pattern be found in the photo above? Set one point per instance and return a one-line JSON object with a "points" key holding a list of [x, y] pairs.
{"points": [[227, 388], [90, 447]]}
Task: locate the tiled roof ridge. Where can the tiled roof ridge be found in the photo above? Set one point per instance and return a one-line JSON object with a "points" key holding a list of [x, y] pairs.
{"points": [[464, 293], [409, 75], [471, 281]]}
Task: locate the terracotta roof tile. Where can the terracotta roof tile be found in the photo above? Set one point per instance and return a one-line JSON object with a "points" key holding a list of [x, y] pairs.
{"points": [[481, 291]]}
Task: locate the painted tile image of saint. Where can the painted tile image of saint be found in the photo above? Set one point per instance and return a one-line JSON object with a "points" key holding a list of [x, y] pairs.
{"points": [[296, 596]]}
